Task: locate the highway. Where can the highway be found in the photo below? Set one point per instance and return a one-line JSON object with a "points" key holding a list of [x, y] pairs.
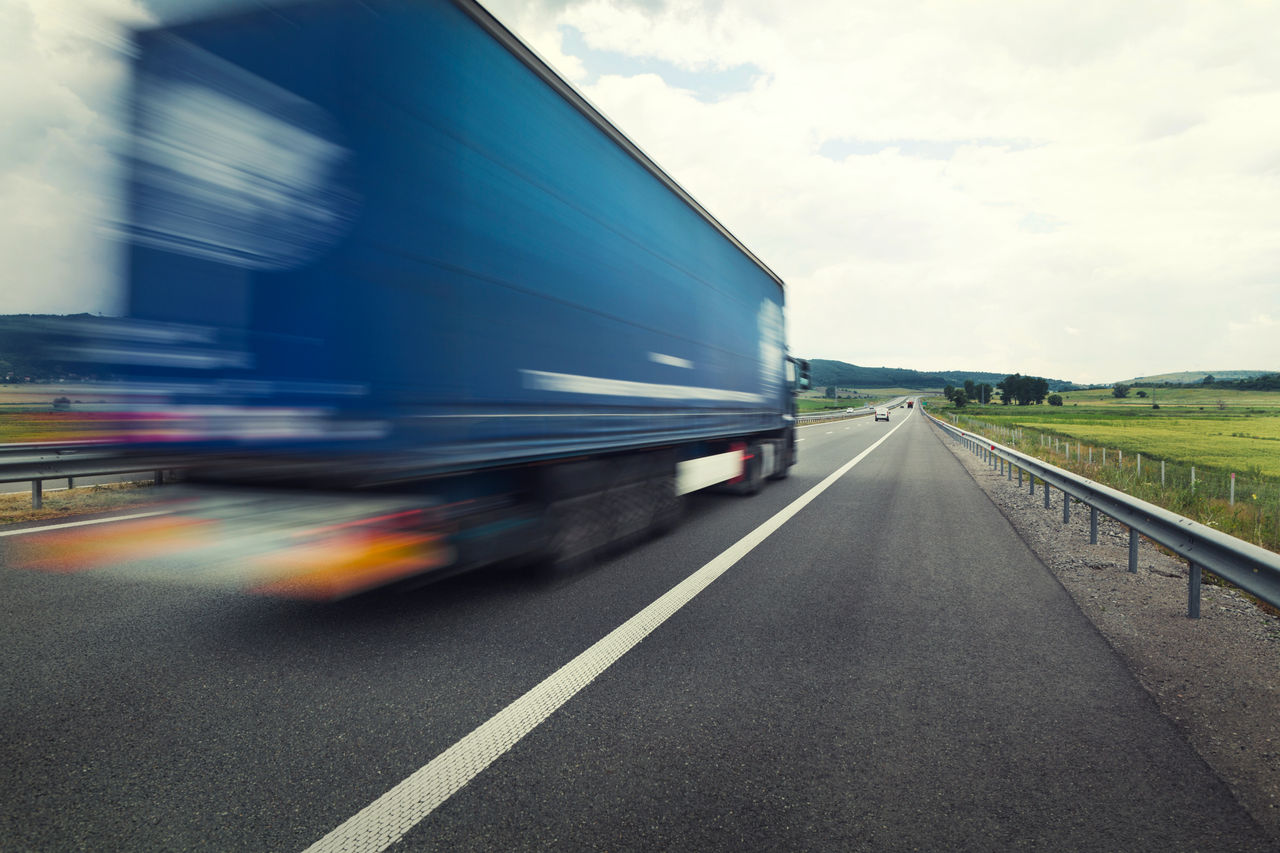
{"points": [[888, 668]]}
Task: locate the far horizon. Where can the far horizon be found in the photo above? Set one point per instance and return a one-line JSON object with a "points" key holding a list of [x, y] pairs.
{"points": [[1177, 377]]}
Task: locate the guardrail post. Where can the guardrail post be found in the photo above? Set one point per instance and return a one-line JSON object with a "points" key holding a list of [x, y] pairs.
{"points": [[1046, 495], [37, 494], [1193, 590], [1133, 551], [1032, 478], [1019, 478], [1066, 507], [1093, 525]]}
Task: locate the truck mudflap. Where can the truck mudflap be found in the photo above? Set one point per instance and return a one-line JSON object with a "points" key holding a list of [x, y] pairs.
{"points": [[301, 545]]}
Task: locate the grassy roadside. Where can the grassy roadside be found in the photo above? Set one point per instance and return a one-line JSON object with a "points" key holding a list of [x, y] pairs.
{"points": [[1217, 466], [84, 500]]}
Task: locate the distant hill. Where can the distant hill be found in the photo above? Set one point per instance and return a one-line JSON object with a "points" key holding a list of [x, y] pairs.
{"points": [[825, 372], [1188, 377], [21, 357]]}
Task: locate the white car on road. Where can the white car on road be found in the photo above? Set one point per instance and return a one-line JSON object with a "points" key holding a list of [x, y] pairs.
{"points": [[882, 414]]}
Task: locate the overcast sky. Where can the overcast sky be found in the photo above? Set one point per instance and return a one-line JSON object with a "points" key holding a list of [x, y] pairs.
{"points": [[1079, 190]]}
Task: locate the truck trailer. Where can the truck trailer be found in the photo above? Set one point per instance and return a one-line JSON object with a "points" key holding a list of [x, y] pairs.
{"points": [[387, 272]]}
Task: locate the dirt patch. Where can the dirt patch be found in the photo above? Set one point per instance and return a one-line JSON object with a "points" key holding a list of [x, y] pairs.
{"points": [[16, 508], [1217, 677]]}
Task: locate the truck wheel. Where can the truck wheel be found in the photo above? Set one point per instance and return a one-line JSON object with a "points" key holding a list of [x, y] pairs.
{"points": [[667, 505], [576, 531], [752, 472], [628, 510], [784, 468]]}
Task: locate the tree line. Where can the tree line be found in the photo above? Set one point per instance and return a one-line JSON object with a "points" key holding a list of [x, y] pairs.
{"points": [[1015, 388], [1266, 382]]}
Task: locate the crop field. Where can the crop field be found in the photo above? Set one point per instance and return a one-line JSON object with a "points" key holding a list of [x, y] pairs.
{"points": [[27, 413], [1209, 454], [1195, 397], [1240, 441]]}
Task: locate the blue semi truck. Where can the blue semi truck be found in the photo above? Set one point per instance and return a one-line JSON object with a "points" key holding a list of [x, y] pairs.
{"points": [[381, 257]]}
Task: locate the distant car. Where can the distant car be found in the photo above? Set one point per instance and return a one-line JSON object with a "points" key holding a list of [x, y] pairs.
{"points": [[882, 414], [911, 404], [848, 411]]}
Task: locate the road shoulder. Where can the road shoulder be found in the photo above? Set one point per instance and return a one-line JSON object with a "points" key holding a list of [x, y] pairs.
{"points": [[1216, 678]]}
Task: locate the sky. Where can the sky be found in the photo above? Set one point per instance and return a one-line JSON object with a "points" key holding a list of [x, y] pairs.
{"points": [[1080, 190]]}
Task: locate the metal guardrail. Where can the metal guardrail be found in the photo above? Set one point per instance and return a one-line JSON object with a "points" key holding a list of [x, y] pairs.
{"points": [[39, 462], [833, 416], [1250, 567]]}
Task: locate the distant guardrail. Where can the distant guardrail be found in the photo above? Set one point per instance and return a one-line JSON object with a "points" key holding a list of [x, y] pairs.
{"points": [[833, 416], [40, 461], [1250, 567], [37, 463]]}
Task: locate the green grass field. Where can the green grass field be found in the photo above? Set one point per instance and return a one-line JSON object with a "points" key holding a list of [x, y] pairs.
{"points": [[1192, 396], [1181, 456], [1242, 436]]}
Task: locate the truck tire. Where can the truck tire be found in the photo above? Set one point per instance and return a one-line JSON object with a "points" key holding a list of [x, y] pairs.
{"points": [[787, 452], [752, 472], [667, 505], [576, 530]]}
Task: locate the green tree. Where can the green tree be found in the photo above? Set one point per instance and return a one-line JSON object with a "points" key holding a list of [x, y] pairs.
{"points": [[1055, 400], [1023, 390], [959, 399], [949, 392], [1006, 388], [1120, 390], [830, 393]]}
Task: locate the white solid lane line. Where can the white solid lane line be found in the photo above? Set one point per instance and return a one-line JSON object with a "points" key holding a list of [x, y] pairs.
{"points": [[387, 819], [82, 523]]}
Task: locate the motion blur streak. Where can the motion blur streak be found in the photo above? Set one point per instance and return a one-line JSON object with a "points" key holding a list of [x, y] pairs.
{"points": [[89, 548], [253, 543], [351, 562]]}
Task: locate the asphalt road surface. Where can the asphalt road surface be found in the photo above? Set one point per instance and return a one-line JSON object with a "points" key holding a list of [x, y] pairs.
{"points": [[888, 668]]}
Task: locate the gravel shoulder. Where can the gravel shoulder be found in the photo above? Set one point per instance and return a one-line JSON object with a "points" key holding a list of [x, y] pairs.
{"points": [[1217, 677]]}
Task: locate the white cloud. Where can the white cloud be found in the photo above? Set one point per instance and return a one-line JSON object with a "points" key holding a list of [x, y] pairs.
{"points": [[56, 136], [1089, 191]]}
